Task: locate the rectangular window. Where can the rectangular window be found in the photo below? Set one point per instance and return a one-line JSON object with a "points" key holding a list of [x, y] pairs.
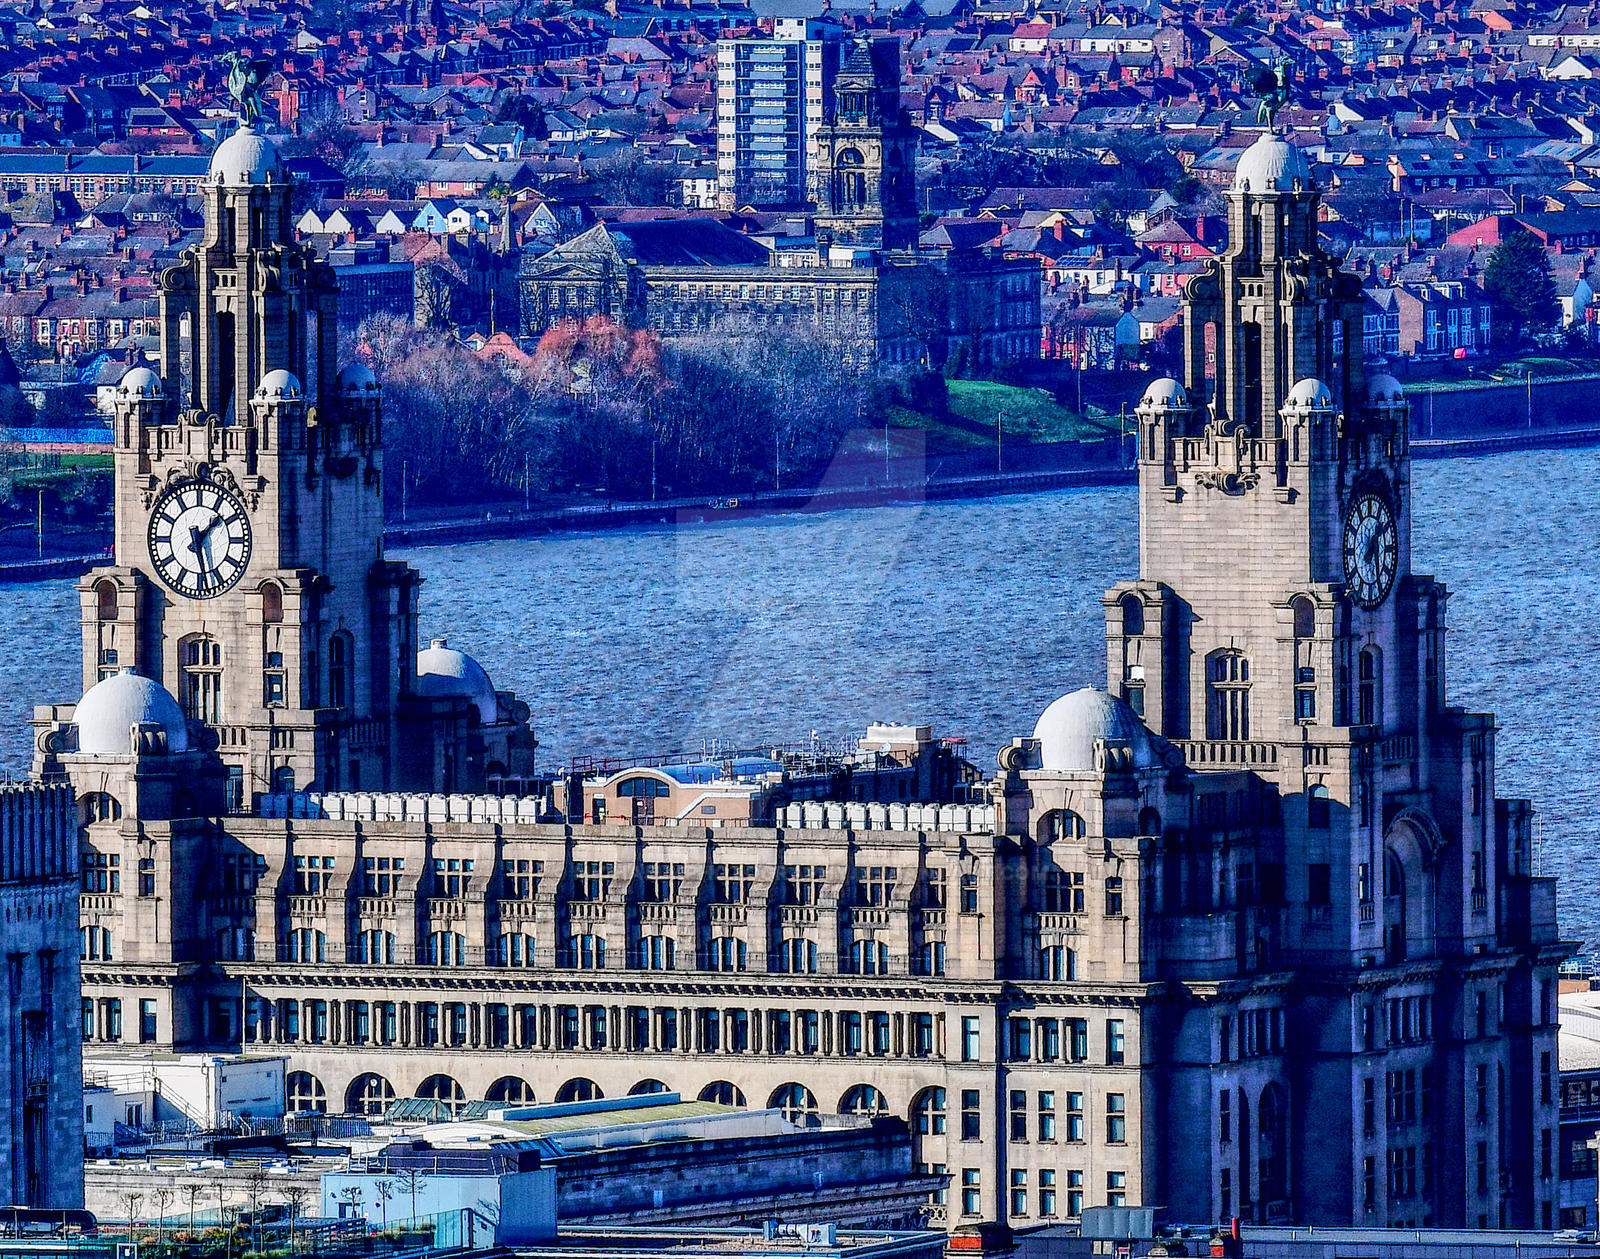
{"points": [[1047, 1116], [1047, 1192], [1019, 1115], [1078, 1038], [1074, 1194], [1114, 1041], [1116, 1119], [1114, 897], [971, 1115], [1116, 1189], [147, 1021], [1225, 1115], [1019, 1191], [1075, 1124], [971, 1043], [971, 1191]]}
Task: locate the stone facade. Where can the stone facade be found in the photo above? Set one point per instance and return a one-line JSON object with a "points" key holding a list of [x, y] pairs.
{"points": [[41, 1138], [696, 277], [1247, 934]]}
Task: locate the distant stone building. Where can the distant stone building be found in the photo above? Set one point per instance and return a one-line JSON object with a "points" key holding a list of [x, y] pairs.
{"points": [[41, 1132], [683, 277]]}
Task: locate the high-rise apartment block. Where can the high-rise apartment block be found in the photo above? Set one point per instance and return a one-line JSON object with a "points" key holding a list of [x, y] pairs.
{"points": [[771, 98]]}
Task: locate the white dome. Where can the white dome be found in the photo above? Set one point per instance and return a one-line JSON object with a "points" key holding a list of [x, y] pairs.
{"points": [[1383, 390], [280, 383], [139, 382], [1271, 165], [356, 379], [445, 673], [1068, 729], [245, 157], [111, 708], [1309, 394], [1165, 392]]}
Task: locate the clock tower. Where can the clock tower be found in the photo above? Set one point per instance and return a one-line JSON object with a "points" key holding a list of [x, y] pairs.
{"points": [[1327, 856], [248, 575]]}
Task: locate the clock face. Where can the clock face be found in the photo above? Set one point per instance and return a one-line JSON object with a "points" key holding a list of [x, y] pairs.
{"points": [[1371, 550], [199, 539]]}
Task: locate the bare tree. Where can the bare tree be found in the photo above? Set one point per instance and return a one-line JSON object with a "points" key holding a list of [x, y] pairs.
{"points": [[130, 1200], [161, 1199], [410, 1181], [384, 1189]]}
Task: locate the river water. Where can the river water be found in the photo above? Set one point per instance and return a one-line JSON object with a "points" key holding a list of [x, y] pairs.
{"points": [[969, 616]]}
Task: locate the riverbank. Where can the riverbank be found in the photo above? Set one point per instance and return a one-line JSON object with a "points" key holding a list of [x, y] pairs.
{"points": [[847, 491]]}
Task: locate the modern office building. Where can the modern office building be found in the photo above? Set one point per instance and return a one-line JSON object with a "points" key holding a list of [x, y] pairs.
{"points": [[1247, 934]]}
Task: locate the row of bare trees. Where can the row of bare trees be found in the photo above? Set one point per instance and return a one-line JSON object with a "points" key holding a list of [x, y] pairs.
{"points": [[602, 407]]}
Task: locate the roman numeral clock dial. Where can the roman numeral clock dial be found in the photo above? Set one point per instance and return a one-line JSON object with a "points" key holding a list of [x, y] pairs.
{"points": [[1371, 549], [199, 539]]}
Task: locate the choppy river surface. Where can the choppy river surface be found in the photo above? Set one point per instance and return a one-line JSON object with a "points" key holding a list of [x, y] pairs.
{"points": [[970, 616]]}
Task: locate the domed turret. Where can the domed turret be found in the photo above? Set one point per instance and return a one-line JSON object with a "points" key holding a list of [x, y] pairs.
{"points": [[1165, 393], [1069, 729], [355, 380], [445, 673], [1309, 394], [109, 710], [1384, 390], [1271, 164], [279, 385], [246, 157], [139, 382]]}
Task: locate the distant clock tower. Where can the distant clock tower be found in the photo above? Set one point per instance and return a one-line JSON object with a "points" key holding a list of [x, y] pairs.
{"points": [[249, 576], [866, 186]]}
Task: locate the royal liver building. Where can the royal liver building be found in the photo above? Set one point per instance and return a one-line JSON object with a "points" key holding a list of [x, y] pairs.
{"points": [[1247, 934]]}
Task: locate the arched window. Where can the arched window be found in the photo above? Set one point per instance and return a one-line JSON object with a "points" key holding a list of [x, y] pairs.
{"points": [[796, 1101], [1394, 906], [869, 957], [368, 1095], [657, 952], [443, 1088], [1060, 824], [796, 957], [271, 603], [1304, 613], [579, 1090], [1227, 696], [1132, 615], [1272, 1148], [645, 1088], [446, 948], [98, 806], [1319, 808], [200, 678], [587, 952], [849, 180], [94, 944], [722, 1093], [928, 1113], [511, 1089], [236, 944], [726, 953], [1058, 963], [375, 947], [1369, 687], [305, 944], [516, 949], [339, 653], [105, 601], [305, 1094], [862, 1099], [1149, 822]]}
